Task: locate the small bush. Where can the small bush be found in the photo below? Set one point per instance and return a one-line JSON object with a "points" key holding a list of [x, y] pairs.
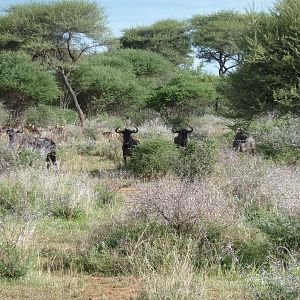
{"points": [[197, 159], [14, 263], [103, 195], [154, 157], [44, 115], [29, 157], [282, 229]]}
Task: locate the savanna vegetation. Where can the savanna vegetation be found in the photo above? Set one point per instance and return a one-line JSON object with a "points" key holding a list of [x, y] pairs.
{"points": [[194, 222]]}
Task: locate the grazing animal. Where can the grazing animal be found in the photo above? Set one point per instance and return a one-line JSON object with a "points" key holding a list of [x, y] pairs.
{"points": [[35, 130], [244, 142], [17, 138], [182, 137], [128, 141]]}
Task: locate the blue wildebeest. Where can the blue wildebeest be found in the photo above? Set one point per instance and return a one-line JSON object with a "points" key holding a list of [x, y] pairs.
{"points": [[17, 139], [182, 137], [243, 142], [128, 141]]}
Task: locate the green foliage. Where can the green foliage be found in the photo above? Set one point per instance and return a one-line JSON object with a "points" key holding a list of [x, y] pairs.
{"points": [[186, 94], [287, 154], [106, 88], [283, 230], [44, 115], [217, 38], [153, 157], [145, 64], [29, 157], [4, 115], [24, 82], [104, 195], [268, 80], [14, 263], [167, 37], [197, 158]]}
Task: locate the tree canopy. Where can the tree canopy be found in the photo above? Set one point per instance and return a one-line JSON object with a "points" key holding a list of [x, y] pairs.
{"points": [[268, 79], [56, 33], [24, 82], [217, 37], [170, 38]]}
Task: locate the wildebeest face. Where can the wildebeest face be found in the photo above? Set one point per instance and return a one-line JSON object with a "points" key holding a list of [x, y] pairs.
{"points": [[12, 133]]}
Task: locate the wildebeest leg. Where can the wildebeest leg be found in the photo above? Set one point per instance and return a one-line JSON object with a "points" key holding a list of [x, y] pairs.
{"points": [[125, 160], [51, 158]]}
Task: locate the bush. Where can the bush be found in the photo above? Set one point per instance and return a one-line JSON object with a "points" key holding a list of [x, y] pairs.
{"points": [[7, 158], [44, 115], [13, 261], [197, 159], [282, 229], [154, 157]]}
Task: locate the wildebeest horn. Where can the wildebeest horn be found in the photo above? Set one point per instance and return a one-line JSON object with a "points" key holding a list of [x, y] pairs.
{"points": [[191, 130], [117, 130], [136, 129]]}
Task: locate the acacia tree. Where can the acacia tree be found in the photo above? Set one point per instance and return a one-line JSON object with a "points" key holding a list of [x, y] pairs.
{"points": [[217, 37], [268, 79], [56, 33], [170, 38]]}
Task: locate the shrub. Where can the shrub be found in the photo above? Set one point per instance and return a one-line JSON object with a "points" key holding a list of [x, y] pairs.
{"points": [[197, 159], [16, 237], [44, 115], [13, 261], [103, 195], [154, 157], [282, 229]]}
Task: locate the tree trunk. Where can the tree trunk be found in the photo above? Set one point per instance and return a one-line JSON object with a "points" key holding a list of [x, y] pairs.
{"points": [[73, 95]]}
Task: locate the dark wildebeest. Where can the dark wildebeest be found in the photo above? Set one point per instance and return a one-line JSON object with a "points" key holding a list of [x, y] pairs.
{"points": [[243, 142], [17, 138], [182, 137], [128, 141]]}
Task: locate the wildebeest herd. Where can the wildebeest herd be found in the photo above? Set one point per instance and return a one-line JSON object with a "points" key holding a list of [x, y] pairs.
{"points": [[22, 137]]}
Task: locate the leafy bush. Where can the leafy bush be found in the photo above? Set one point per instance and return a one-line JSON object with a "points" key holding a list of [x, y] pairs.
{"points": [[197, 159], [44, 115], [103, 195], [153, 157], [24, 82], [282, 229], [14, 263]]}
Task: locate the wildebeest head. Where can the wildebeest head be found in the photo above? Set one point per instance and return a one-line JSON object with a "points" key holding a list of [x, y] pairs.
{"points": [[12, 134], [181, 139], [126, 133], [240, 137]]}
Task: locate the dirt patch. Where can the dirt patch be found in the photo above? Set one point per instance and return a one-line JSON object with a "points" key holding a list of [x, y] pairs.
{"points": [[117, 288]]}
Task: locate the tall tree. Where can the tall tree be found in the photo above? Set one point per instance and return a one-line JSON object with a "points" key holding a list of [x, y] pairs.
{"points": [[268, 79], [169, 38], [57, 33], [216, 38]]}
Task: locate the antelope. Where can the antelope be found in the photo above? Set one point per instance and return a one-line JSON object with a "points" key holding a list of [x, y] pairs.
{"points": [[182, 137], [18, 139], [128, 141]]}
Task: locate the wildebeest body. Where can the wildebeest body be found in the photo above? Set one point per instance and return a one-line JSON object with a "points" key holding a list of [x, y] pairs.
{"points": [[46, 146]]}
